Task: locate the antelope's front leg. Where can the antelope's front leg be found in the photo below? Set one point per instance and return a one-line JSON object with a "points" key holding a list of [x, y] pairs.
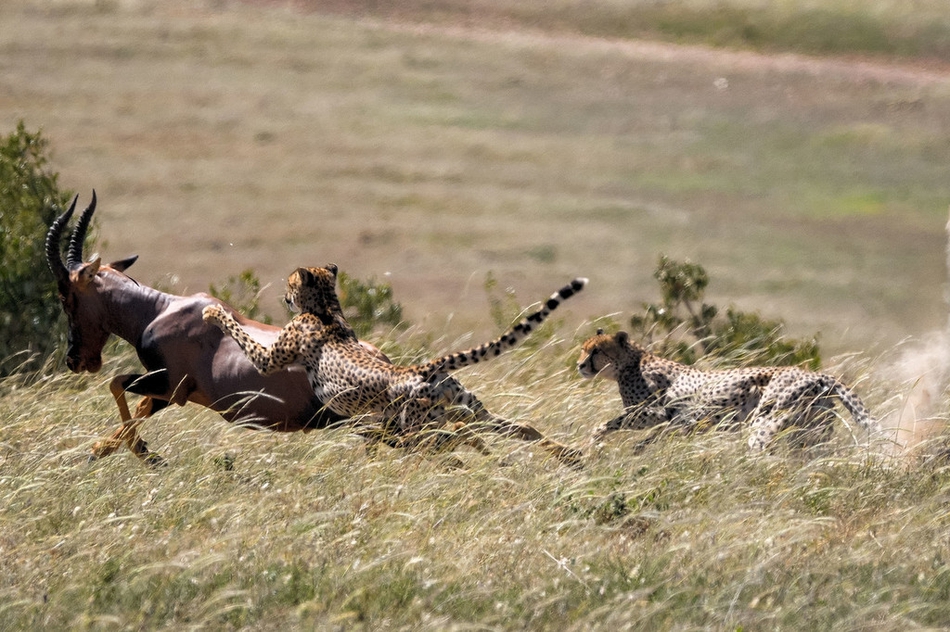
{"points": [[127, 432]]}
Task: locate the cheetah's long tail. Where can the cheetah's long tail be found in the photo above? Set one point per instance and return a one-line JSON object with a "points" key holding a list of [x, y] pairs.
{"points": [[856, 407], [510, 339]]}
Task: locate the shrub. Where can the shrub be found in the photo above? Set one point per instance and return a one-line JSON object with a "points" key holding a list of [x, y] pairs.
{"points": [[368, 304], [690, 328], [29, 202]]}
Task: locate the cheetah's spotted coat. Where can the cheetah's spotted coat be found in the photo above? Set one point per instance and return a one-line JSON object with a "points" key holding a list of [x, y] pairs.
{"points": [[412, 404], [655, 391]]}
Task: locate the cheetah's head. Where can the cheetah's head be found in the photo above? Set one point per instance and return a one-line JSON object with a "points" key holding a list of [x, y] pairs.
{"points": [[313, 290], [605, 354]]}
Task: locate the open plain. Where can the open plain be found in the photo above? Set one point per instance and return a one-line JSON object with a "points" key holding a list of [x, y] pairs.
{"points": [[432, 150]]}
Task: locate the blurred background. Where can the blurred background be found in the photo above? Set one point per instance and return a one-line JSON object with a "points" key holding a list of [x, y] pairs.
{"points": [[799, 151]]}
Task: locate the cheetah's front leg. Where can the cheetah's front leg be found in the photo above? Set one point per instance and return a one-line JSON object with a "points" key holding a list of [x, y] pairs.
{"points": [[764, 429], [264, 359], [637, 417]]}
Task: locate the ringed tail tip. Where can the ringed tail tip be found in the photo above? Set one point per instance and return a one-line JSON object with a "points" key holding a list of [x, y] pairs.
{"points": [[576, 285]]}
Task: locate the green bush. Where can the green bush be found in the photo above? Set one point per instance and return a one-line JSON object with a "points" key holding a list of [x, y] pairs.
{"points": [[29, 202], [368, 304], [689, 328]]}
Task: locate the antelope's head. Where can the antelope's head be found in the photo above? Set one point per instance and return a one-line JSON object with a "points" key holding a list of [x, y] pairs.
{"points": [[79, 290]]}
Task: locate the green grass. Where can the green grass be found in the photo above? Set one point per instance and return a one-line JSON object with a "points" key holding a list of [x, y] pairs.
{"points": [[823, 27], [306, 531]]}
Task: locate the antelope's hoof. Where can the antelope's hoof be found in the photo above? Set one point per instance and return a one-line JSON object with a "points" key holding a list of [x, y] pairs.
{"points": [[104, 448], [154, 459]]}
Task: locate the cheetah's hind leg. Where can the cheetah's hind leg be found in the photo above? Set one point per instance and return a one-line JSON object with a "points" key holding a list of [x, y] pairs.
{"points": [[814, 425], [525, 432], [810, 417], [459, 396]]}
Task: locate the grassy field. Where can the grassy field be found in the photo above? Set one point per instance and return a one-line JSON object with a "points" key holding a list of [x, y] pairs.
{"points": [[307, 532], [432, 145], [916, 29]]}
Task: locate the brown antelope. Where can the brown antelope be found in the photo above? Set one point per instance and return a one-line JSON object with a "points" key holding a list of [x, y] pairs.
{"points": [[187, 359]]}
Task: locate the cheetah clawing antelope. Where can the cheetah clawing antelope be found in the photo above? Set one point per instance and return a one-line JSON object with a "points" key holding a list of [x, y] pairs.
{"points": [[408, 402], [656, 391], [185, 360]]}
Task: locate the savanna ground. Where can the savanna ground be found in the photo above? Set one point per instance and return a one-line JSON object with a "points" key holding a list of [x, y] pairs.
{"points": [[432, 145]]}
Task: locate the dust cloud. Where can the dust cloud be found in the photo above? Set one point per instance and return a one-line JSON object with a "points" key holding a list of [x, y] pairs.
{"points": [[923, 372]]}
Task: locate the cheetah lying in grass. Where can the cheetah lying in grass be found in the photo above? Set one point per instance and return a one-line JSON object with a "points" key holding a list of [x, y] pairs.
{"points": [[657, 391], [409, 406]]}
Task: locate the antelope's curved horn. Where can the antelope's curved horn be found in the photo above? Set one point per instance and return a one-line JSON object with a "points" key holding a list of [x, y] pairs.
{"points": [[74, 256], [53, 255]]}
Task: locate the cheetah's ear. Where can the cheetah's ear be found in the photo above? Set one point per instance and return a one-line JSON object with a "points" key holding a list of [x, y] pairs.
{"points": [[600, 331], [305, 277], [623, 337], [332, 267]]}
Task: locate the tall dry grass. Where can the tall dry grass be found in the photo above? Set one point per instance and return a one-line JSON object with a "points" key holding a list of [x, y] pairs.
{"points": [[275, 128], [307, 531]]}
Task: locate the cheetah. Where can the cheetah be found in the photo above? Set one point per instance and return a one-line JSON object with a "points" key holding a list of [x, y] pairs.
{"points": [[658, 391], [407, 405]]}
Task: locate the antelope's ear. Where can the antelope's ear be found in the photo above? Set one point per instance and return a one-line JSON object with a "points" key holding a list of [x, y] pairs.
{"points": [[84, 274], [124, 264]]}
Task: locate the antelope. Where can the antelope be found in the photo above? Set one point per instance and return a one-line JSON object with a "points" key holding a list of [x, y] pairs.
{"points": [[186, 359]]}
